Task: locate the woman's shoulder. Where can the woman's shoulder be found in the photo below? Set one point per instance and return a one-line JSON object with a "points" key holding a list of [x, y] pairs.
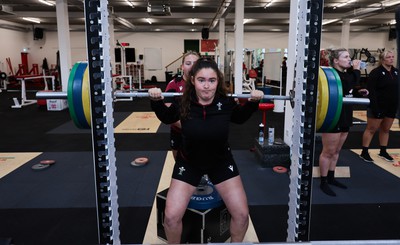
{"points": [[377, 69]]}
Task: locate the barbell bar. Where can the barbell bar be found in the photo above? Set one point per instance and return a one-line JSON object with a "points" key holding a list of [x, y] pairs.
{"points": [[330, 99], [64, 95]]}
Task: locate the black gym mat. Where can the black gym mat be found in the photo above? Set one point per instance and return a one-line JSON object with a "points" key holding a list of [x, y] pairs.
{"points": [[70, 128], [69, 183], [330, 222], [68, 225], [368, 183]]}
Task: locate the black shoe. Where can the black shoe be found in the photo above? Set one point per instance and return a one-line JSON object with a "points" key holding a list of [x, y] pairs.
{"points": [[386, 156], [337, 183], [366, 157], [327, 190]]}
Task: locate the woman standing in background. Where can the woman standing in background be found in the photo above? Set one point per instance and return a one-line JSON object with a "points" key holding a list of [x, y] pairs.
{"points": [[332, 142], [383, 86]]}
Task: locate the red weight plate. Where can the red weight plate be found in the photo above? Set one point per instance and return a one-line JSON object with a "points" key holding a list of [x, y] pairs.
{"points": [[279, 169], [140, 161], [48, 162]]}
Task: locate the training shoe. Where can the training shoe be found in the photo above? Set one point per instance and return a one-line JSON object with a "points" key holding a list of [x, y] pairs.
{"points": [[366, 157], [386, 156]]}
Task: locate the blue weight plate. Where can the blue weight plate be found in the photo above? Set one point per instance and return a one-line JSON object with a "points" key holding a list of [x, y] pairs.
{"points": [[333, 100], [77, 95], [205, 199]]}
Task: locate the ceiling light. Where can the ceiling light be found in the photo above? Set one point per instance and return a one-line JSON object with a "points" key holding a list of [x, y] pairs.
{"points": [[32, 20], [245, 21], [345, 3], [130, 3], [125, 22], [354, 20], [390, 3], [325, 22], [148, 21], [269, 4], [50, 3], [392, 22], [192, 21], [193, 3]]}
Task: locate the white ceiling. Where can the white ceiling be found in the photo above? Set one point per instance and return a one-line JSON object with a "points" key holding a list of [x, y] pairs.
{"points": [[373, 15]]}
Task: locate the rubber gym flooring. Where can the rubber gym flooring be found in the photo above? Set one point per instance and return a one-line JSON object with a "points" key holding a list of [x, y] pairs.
{"points": [[57, 205]]}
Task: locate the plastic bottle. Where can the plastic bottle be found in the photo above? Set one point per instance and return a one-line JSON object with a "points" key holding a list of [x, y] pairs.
{"points": [[271, 136], [261, 134], [363, 64]]}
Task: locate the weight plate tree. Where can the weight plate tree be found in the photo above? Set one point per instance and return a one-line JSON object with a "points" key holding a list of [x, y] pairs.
{"points": [[99, 64], [304, 118]]}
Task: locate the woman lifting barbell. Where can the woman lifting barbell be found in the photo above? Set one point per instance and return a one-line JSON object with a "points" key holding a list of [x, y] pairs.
{"points": [[205, 112], [332, 142]]}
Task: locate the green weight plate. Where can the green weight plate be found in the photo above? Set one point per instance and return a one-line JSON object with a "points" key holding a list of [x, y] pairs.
{"points": [[70, 92], [333, 100], [340, 98], [77, 95], [323, 98]]}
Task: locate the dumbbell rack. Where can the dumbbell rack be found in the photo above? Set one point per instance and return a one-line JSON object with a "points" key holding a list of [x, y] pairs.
{"points": [[98, 48]]}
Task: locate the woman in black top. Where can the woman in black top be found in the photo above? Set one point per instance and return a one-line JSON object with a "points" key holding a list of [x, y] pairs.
{"points": [[333, 141], [383, 86], [205, 113]]}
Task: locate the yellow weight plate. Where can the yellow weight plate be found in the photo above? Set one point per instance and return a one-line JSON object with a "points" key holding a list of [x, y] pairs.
{"points": [[86, 96], [323, 98]]}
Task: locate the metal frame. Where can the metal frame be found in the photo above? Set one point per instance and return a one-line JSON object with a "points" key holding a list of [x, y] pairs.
{"points": [[98, 51], [24, 100]]}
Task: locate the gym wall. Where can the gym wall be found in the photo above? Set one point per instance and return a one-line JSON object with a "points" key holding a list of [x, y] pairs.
{"points": [[172, 44]]}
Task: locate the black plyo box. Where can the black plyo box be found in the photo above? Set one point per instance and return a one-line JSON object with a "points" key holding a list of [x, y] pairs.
{"points": [[273, 155], [199, 226]]}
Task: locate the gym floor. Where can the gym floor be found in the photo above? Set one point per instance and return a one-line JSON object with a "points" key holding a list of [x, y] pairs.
{"points": [[57, 205]]}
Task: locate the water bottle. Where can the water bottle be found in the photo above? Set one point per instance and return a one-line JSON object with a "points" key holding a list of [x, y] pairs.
{"points": [[261, 134], [271, 136], [363, 64]]}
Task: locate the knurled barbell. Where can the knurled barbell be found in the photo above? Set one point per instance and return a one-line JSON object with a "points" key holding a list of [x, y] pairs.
{"points": [[329, 106]]}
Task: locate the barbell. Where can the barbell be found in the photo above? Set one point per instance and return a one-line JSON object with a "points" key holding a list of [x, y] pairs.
{"points": [[329, 105]]}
